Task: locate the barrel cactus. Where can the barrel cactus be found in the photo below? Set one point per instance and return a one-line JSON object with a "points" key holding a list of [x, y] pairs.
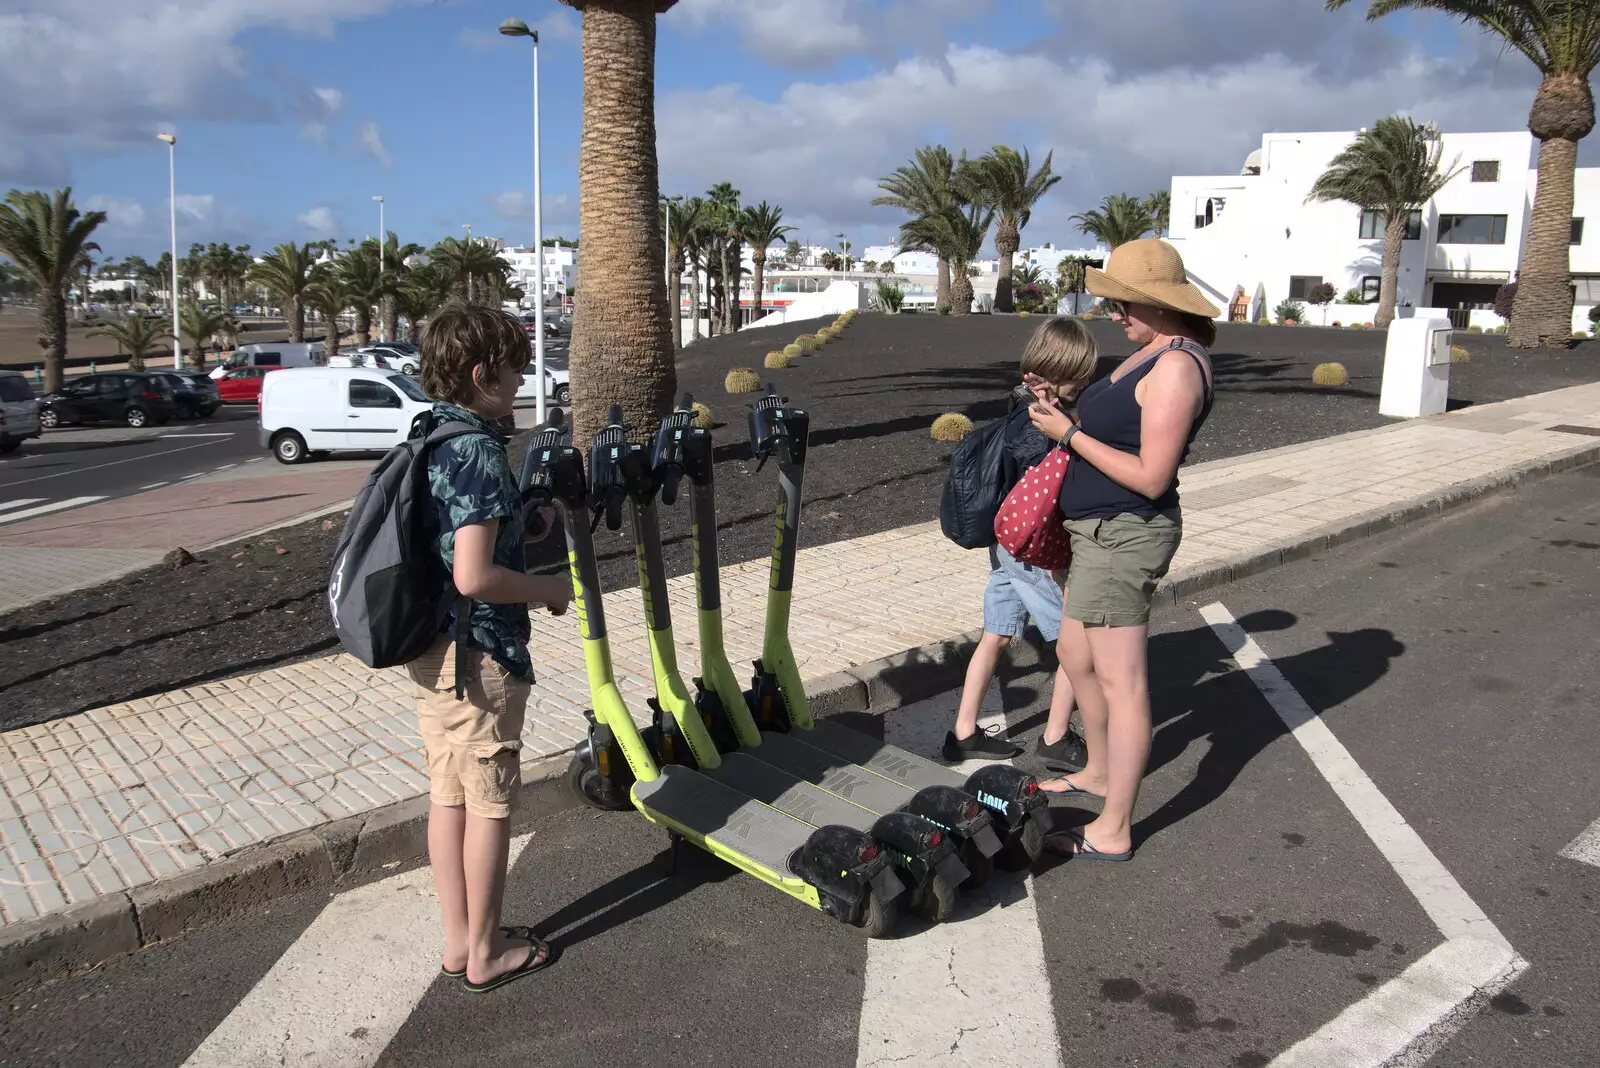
{"points": [[742, 380], [777, 361], [702, 416], [951, 426], [1330, 374]]}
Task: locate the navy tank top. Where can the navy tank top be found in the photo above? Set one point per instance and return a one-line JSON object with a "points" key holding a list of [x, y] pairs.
{"points": [[1109, 412]]}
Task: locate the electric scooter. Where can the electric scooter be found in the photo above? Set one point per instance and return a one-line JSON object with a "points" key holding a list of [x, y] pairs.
{"points": [[1020, 810], [834, 868]]}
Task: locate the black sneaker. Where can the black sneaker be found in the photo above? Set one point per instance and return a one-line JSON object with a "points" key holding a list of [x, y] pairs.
{"points": [[985, 743], [1069, 754]]}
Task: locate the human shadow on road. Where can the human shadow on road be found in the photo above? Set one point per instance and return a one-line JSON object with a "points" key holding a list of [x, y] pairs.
{"points": [[633, 895]]}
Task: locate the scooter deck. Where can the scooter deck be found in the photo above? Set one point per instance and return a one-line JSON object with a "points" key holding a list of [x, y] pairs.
{"points": [[890, 761], [787, 793], [725, 816], [840, 777]]}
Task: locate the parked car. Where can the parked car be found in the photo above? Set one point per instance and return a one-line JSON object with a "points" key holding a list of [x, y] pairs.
{"points": [[552, 325], [241, 385], [132, 397], [399, 356], [196, 394], [310, 410], [274, 354], [19, 411], [556, 387]]}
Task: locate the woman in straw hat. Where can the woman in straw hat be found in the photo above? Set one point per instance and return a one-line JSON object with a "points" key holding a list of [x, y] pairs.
{"points": [[1120, 503]]}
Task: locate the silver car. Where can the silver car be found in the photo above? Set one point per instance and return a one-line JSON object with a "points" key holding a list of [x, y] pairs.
{"points": [[19, 411]]}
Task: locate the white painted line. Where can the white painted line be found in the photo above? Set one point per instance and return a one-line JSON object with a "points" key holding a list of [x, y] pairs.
{"points": [[1585, 849], [114, 463], [19, 503], [224, 467], [1408, 1019], [338, 995], [153, 485], [194, 435], [186, 478], [46, 509], [973, 990]]}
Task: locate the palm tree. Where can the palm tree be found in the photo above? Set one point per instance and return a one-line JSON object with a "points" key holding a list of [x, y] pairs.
{"points": [[329, 296], [135, 333], [925, 186], [697, 250], [1071, 275], [468, 264], [1159, 205], [422, 293], [1118, 220], [682, 234], [44, 236], [762, 226], [620, 351], [1562, 39], [197, 324], [955, 235], [395, 271], [724, 216], [1028, 274], [1005, 181], [1392, 169], [286, 273], [357, 271]]}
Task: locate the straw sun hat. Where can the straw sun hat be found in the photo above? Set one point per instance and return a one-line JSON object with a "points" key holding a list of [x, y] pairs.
{"points": [[1149, 271]]}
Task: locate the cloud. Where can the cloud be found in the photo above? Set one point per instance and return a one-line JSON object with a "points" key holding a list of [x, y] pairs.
{"points": [[806, 34], [316, 109], [195, 207], [320, 220], [122, 213], [68, 91], [560, 215], [369, 142]]}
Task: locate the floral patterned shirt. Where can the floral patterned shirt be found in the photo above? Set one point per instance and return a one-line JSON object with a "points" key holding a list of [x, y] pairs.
{"points": [[470, 481]]}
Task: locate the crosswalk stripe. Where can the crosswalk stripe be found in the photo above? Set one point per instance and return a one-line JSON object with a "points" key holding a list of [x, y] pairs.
{"points": [[46, 509], [22, 502], [337, 996], [970, 991]]}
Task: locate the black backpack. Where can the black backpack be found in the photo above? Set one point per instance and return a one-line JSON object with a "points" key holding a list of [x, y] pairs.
{"points": [[383, 592], [976, 485]]}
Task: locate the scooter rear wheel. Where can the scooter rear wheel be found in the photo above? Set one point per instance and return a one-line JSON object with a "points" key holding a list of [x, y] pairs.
{"points": [[594, 789], [939, 903], [979, 867], [878, 915], [1024, 850]]}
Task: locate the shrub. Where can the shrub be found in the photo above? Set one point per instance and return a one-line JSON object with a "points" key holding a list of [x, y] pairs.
{"points": [[944, 307], [742, 380], [1263, 321], [1579, 335], [1459, 355], [1504, 297], [1501, 329], [702, 416], [1594, 315], [951, 426], [1353, 296], [1358, 326], [890, 296], [1289, 310], [777, 361], [1330, 374], [793, 351], [1336, 323], [1474, 329], [1322, 294]]}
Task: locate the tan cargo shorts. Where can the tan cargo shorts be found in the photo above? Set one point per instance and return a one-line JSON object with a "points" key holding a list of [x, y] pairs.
{"points": [[474, 746], [1116, 564]]}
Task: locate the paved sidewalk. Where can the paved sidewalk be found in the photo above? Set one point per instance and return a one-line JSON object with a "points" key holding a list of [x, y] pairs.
{"points": [[122, 795]]}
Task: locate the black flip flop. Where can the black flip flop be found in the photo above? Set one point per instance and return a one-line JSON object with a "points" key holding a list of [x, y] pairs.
{"points": [[1084, 849], [526, 968], [510, 932], [1070, 791]]}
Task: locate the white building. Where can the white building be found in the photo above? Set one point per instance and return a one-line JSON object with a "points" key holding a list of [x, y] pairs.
{"points": [[1255, 234], [560, 271]]}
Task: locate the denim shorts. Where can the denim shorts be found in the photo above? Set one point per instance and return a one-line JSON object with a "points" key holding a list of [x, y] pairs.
{"points": [[1018, 593]]}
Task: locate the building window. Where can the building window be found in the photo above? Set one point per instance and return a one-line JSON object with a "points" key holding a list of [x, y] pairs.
{"points": [[1472, 229], [1372, 225], [1577, 232], [1206, 212], [1486, 170], [1301, 285], [1371, 288]]}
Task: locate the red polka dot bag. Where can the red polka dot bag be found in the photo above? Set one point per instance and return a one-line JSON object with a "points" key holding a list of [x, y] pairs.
{"points": [[1028, 525]]}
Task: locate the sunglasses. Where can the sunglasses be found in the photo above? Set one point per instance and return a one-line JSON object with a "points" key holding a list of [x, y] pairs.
{"points": [[1119, 308]]}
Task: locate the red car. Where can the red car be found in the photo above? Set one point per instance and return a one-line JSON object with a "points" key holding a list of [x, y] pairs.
{"points": [[242, 384]]}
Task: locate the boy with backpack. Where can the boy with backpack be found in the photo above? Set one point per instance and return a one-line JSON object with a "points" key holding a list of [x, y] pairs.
{"points": [[983, 470], [472, 700]]}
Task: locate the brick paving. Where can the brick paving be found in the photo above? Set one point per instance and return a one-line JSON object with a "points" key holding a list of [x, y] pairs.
{"points": [[121, 795]]}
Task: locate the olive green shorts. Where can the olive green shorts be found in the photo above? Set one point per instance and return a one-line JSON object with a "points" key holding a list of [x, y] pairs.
{"points": [[1116, 564]]}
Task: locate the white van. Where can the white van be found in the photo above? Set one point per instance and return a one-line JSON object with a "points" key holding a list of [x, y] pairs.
{"points": [[310, 410], [274, 354]]}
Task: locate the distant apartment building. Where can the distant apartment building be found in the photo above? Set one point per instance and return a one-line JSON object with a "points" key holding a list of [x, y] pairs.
{"points": [[560, 271], [1251, 239]]}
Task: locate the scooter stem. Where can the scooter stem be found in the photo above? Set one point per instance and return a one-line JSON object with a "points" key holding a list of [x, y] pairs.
{"points": [[778, 428]]}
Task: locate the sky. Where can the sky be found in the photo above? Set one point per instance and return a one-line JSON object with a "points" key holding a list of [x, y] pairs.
{"points": [[292, 114]]}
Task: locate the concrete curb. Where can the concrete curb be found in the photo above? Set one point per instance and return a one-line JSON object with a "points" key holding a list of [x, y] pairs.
{"points": [[348, 852]]}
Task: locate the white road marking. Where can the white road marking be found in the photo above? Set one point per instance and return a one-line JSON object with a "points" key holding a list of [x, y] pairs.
{"points": [[338, 995], [1414, 1014], [113, 463], [46, 509], [19, 503], [1585, 849], [195, 435], [153, 485], [973, 990]]}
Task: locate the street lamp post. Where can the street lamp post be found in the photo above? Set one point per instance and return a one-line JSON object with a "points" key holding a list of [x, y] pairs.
{"points": [[172, 205], [518, 28], [383, 323]]}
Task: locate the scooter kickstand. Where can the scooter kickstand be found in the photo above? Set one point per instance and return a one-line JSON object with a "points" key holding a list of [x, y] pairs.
{"points": [[674, 842]]}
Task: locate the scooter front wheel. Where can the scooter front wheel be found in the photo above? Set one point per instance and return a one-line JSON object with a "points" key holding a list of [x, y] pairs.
{"points": [[594, 789], [939, 902], [878, 915]]}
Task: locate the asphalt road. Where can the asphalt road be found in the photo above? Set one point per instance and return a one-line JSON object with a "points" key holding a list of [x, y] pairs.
{"points": [[86, 464], [1453, 660]]}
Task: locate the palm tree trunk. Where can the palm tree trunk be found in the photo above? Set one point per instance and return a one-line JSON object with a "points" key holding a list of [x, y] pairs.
{"points": [[960, 290], [621, 353], [694, 299], [53, 337], [391, 317], [735, 315], [1541, 315], [1393, 233], [297, 320], [363, 325], [1006, 241], [728, 290], [944, 282], [760, 258], [675, 303]]}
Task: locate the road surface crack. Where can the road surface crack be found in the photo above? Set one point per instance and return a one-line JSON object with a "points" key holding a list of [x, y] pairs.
{"points": [[951, 967]]}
